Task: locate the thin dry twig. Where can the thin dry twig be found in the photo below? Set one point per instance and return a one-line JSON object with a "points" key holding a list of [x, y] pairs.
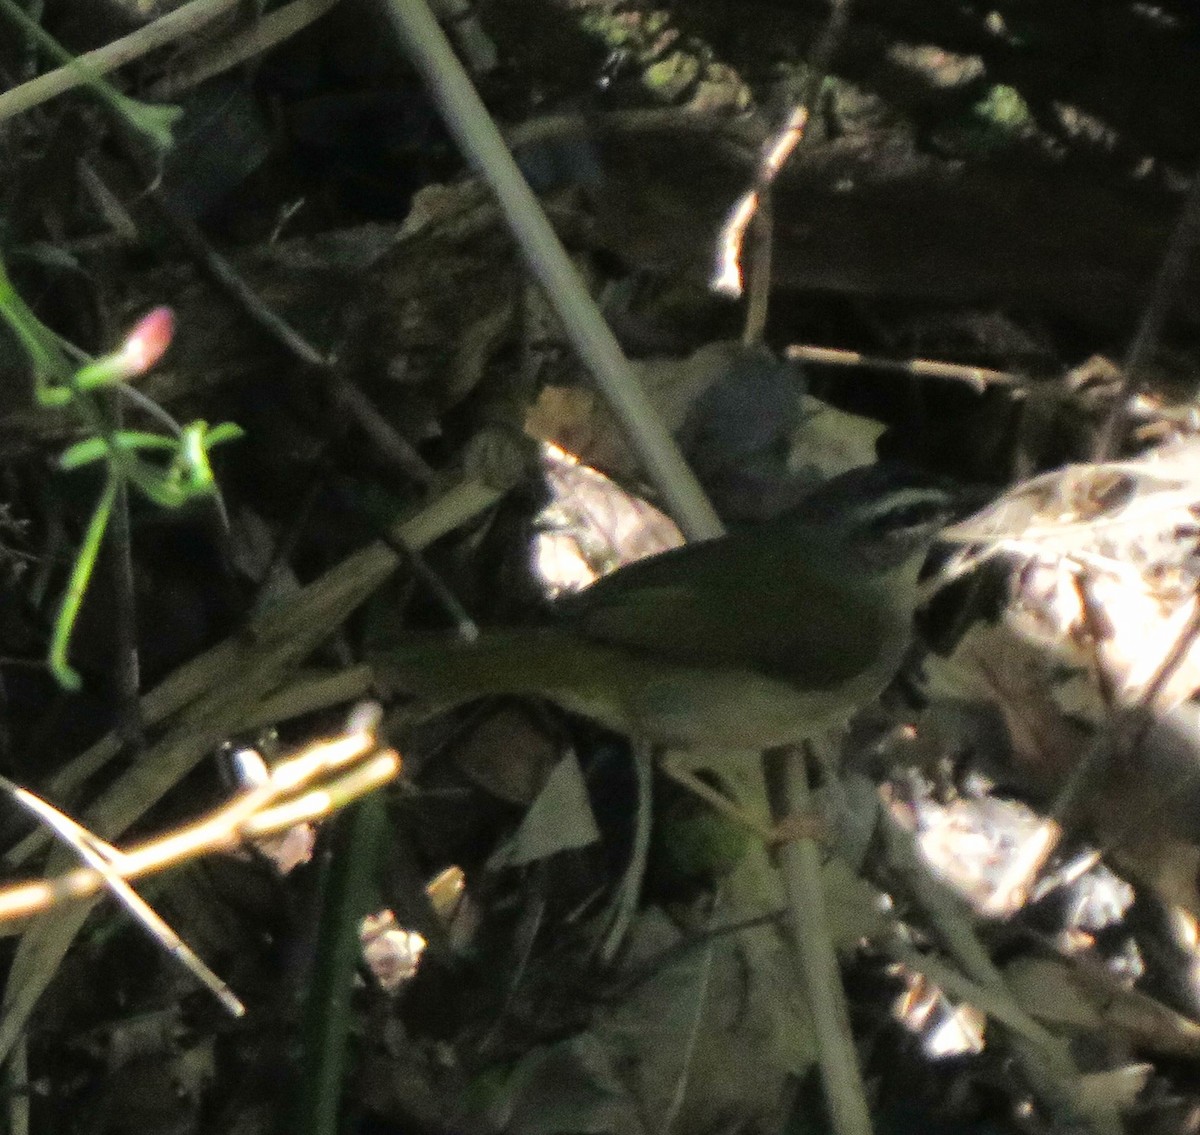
{"points": [[1125, 726], [727, 279], [978, 378], [393, 446], [319, 779], [107, 860], [758, 295], [222, 273]]}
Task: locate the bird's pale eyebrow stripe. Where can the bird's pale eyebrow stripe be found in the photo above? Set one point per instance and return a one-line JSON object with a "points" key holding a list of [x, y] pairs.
{"points": [[898, 501], [907, 497]]}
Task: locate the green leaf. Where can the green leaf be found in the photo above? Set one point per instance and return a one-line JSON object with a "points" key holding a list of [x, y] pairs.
{"points": [[83, 453], [226, 431]]}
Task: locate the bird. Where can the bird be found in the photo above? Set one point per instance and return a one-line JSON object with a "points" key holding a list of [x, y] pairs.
{"points": [[757, 639]]}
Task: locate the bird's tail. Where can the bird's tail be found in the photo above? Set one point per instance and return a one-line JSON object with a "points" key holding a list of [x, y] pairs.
{"points": [[440, 674]]}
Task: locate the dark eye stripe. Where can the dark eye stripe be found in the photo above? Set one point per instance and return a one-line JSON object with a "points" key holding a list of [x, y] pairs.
{"points": [[908, 508]]}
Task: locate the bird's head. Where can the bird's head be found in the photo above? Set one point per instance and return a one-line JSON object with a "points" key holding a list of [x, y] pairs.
{"points": [[880, 516]]}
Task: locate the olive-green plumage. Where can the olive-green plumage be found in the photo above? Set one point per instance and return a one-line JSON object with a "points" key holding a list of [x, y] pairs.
{"points": [[753, 640]]}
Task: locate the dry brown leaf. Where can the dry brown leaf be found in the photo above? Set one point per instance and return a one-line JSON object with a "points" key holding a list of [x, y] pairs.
{"points": [[994, 665]]}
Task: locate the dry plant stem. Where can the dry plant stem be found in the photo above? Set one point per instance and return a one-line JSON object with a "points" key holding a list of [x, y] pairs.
{"points": [[391, 445], [800, 864], [207, 700], [218, 827], [727, 278], [464, 626], [106, 861], [699, 1002], [222, 830], [387, 440], [1000, 1007], [176, 25], [629, 893], [716, 800], [775, 154], [1175, 658], [263, 34], [223, 274], [1170, 274], [1148, 1023], [110, 207], [479, 139], [1048, 1068], [1093, 625], [978, 378], [1126, 728]]}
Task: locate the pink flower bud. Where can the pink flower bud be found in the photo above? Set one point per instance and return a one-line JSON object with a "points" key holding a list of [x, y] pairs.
{"points": [[147, 342]]}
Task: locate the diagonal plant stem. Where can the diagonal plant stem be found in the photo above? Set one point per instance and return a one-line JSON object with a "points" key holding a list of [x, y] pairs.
{"points": [[480, 140], [1048, 1066]]}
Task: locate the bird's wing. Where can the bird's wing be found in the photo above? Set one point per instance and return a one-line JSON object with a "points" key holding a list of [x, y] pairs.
{"points": [[814, 632], [629, 691]]}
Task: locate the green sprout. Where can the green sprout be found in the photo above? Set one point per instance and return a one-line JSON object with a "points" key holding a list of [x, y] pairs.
{"points": [[170, 469]]}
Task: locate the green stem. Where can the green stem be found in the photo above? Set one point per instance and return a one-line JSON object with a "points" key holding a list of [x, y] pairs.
{"points": [[46, 357], [350, 889], [154, 122], [81, 574]]}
